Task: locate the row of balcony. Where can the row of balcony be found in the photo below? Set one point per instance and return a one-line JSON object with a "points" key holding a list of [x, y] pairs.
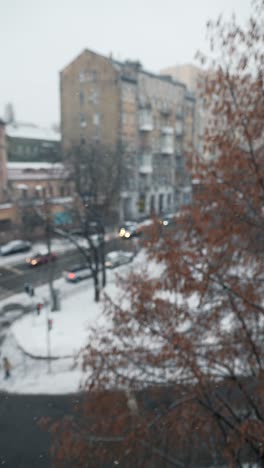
{"points": [[146, 124], [146, 167]]}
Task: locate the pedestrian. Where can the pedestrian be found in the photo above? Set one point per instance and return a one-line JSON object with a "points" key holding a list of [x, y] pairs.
{"points": [[7, 367]]}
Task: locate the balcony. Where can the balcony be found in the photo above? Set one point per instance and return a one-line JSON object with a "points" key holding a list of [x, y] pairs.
{"points": [[166, 130], [145, 165], [166, 111], [167, 146], [179, 128], [145, 120]]}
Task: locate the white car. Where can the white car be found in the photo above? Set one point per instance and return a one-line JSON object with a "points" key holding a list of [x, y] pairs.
{"points": [[117, 258], [15, 246], [77, 273]]}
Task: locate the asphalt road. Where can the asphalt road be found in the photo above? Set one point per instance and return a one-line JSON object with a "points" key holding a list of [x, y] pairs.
{"points": [[13, 278], [23, 443]]}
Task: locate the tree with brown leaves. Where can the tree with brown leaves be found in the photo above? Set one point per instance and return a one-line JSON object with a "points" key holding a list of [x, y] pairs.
{"points": [[176, 377]]}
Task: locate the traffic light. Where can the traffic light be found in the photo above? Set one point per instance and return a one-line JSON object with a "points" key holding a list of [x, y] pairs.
{"points": [[39, 307]]}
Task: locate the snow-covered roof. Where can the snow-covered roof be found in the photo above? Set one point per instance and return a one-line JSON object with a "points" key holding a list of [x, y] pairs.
{"points": [[5, 206], [35, 171], [31, 131], [34, 165]]}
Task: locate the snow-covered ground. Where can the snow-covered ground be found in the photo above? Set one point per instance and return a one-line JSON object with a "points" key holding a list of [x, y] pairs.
{"points": [[70, 325], [29, 343], [70, 332]]}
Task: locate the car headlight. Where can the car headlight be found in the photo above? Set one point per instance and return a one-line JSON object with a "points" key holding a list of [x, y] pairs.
{"points": [[127, 235]]}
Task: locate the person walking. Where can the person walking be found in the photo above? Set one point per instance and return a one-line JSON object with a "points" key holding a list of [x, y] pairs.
{"points": [[7, 367]]}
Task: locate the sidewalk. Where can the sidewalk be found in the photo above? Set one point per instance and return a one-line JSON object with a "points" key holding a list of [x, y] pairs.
{"points": [[26, 344]]}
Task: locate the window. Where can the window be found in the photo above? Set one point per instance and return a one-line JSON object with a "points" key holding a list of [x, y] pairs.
{"points": [[81, 97], [19, 149], [94, 96], [82, 76], [96, 119], [62, 191], [51, 191], [124, 118], [83, 122]]}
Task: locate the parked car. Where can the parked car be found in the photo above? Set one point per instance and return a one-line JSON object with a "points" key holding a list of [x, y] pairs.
{"points": [[77, 273], [15, 246], [117, 258], [129, 229], [41, 258], [167, 220]]}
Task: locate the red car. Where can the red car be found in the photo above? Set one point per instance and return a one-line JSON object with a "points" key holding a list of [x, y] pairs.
{"points": [[41, 259]]}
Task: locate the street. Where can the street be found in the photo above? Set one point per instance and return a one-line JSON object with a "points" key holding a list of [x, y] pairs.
{"points": [[23, 444], [13, 278]]}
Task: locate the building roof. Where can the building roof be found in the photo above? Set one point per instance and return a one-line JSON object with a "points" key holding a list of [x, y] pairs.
{"points": [[136, 64], [32, 132]]}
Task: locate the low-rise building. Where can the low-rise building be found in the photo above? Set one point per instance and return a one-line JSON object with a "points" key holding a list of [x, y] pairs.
{"points": [[25, 186], [29, 142]]}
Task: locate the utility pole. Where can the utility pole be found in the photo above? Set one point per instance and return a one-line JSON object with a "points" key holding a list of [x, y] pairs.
{"points": [[48, 329], [50, 280]]}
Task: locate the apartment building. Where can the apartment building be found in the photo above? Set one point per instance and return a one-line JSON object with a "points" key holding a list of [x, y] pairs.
{"points": [[193, 77], [152, 116]]}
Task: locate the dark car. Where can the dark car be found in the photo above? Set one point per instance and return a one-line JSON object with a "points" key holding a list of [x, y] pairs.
{"points": [[41, 259], [77, 273], [129, 229], [15, 246]]}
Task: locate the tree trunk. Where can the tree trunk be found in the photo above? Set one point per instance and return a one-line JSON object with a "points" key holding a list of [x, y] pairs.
{"points": [[102, 258], [96, 274]]}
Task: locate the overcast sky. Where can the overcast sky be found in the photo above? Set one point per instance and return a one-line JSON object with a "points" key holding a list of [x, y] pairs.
{"points": [[39, 37]]}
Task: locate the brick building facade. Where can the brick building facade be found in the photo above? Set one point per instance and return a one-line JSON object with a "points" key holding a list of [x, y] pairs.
{"points": [[151, 115]]}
